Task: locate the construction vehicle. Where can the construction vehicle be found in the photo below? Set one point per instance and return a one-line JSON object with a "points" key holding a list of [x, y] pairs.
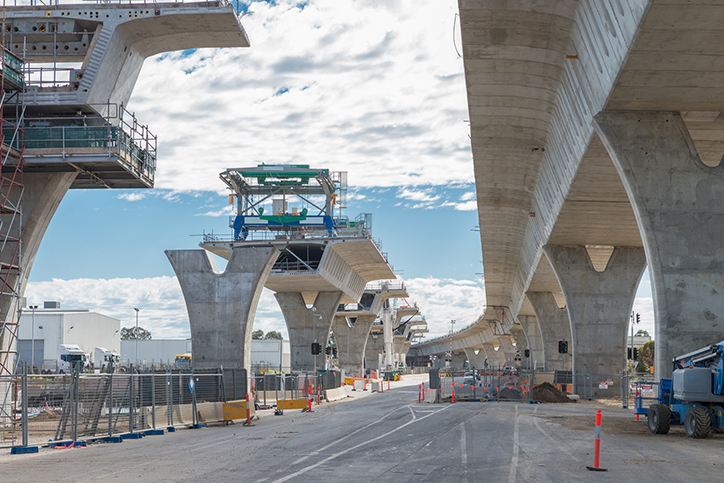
{"points": [[183, 361], [694, 396]]}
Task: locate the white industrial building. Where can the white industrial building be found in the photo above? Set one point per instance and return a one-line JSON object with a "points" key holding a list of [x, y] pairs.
{"points": [[51, 326], [267, 354]]}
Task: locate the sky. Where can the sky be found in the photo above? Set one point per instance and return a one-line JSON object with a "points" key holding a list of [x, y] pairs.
{"points": [[374, 88]]}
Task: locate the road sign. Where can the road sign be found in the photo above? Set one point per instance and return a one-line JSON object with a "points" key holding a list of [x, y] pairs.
{"points": [[191, 384]]}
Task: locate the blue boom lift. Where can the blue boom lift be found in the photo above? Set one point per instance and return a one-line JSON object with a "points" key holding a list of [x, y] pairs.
{"points": [[694, 396]]}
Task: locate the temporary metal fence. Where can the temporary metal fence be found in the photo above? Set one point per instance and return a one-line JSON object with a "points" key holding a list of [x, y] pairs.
{"points": [[267, 388], [43, 408], [491, 383]]}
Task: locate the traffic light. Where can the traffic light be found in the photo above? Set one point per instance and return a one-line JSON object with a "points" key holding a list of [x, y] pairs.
{"points": [[636, 353], [638, 318], [563, 347], [526, 352], [327, 350], [316, 348], [628, 353], [334, 352]]}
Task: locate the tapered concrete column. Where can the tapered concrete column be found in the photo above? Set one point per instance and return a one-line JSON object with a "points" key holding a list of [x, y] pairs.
{"points": [[41, 197], [679, 206], [599, 305], [375, 346], [222, 306], [535, 341], [495, 358], [476, 361], [351, 342], [554, 327], [506, 346], [305, 325], [458, 360]]}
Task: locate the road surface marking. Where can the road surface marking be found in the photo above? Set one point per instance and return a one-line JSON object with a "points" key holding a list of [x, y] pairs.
{"points": [[516, 448]]}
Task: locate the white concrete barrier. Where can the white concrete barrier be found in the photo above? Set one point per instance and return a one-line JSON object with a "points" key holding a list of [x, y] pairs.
{"points": [[335, 394], [359, 385]]}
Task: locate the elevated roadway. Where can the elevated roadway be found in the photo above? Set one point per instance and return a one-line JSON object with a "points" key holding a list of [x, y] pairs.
{"points": [[597, 139]]}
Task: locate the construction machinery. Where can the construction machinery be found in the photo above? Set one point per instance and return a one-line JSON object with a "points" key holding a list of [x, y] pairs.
{"points": [[694, 396]]}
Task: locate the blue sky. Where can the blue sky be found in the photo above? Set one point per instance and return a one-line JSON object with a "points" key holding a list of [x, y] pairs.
{"points": [[375, 88]]}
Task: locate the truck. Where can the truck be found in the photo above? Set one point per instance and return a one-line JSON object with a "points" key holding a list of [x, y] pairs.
{"points": [[102, 357], [70, 355], [694, 396]]}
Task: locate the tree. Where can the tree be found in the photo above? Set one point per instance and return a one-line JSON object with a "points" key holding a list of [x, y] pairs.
{"points": [[257, 334], [646, 353], [129, 333], [641, 332], [273, 335]]}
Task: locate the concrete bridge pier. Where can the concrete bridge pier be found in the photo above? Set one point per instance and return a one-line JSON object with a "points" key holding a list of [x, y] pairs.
{"points": [[458, 360], [679, 206], [535, 342], [305, 325], [221, 306], [476, 360], [599, 305], [554, 327], [374, 347], [41, 197], [506, 345], [495, 358], [351, 342]]}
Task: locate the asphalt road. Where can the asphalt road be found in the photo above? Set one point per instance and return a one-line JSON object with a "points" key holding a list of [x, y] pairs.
{"points": [[389, 437]]}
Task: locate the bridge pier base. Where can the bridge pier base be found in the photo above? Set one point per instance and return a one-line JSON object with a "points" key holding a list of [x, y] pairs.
{"points": [[351, 342], [305, 325], [554, 327], [221, 306], [679, 207], [599, 305], [495, 358]]}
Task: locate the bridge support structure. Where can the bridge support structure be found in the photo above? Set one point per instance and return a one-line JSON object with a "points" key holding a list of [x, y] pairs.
{"points": [[534, 339], [307, 325], [599, 305], [679, 206], [554, 327], [222, 305], [351, 342]]}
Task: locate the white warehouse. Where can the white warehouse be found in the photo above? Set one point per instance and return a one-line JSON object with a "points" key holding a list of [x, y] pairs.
{"points": [[51, 326]]}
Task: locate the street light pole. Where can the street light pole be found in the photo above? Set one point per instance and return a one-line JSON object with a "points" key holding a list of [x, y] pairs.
{"points": [[32, 340], [136, 337], [452, 329]]}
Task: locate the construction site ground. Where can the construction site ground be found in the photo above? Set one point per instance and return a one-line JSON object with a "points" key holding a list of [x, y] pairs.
{"points": [[390, 437]]}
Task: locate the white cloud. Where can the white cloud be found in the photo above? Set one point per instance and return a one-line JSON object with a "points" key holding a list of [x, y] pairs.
{"points": [[471, 205], [135, 196], [375, 89], [470, 195], [160, 300], [423, 195], [442, 300]]}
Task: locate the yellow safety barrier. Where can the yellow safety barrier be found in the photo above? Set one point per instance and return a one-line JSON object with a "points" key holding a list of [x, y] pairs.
{"points": [[234, 410], [292, 404], [349, 380]]}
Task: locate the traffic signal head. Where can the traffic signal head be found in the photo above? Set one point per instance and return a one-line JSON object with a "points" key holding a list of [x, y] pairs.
{"points": [[563, 347], [526, 352], [638, 318], [327, 350], [334, 352], [316, 348], [636, 353]]}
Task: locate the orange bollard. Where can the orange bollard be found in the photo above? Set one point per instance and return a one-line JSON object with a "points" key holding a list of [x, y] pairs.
{"points": [[419, 391], [597, 446], [453, 396], [248, 411], [388, 384]]}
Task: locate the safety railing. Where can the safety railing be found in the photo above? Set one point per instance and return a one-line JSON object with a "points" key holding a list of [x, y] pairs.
{"points": [[77, 406], [267, 388], [291, 233], [124, 3]]}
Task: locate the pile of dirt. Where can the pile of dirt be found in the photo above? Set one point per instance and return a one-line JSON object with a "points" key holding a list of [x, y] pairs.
{"points": [[547, 392], [47, 415], [508, 394]]}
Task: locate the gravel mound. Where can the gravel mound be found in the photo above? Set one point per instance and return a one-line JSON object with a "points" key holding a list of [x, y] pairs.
{"points": [[508, 394], [547, 392]]}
